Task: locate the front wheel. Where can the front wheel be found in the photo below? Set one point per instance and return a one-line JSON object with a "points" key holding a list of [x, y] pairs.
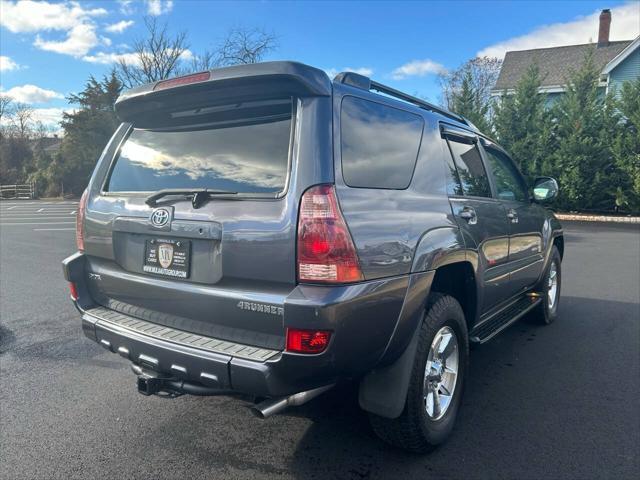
{"points": [[436, 383]]}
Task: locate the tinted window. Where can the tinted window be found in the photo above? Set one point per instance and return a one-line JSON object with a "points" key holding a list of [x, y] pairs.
{"points": [[379, 144], [250, 156], [454, 187], [471, 173], [509, 183]]}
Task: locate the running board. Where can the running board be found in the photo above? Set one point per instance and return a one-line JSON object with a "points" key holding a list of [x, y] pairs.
{"points": [[505, 317]]}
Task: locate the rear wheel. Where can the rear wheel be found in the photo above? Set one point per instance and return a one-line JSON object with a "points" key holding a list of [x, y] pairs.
{"points": [[437, 378], [547, 311]]}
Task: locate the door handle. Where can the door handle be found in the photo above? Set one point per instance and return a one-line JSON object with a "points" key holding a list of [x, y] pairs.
{"points": [[512, 215], [469, 214]]}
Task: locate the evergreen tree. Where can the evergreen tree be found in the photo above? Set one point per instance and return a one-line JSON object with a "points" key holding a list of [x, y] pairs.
{"points": [[585, 128], [467, 102], [86, 132], [522, 125], [626, 147]]}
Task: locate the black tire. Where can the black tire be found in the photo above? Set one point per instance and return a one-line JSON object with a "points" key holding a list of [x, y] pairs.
{"points": [[545, 313], [414, 430]]}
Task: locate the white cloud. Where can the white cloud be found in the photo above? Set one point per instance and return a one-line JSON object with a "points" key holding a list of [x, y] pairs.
{"points": [[51, 118], [625, 25], [108, 58], [119, 27], [32, 94], [7, 64], [126, 7], [367, 72], [187, 55], [111, 58], [159, 7], [417, 68], [80, 39], [27, 16]]}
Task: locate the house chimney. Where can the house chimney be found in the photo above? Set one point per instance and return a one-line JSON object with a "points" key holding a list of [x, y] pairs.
{"points": [[605, 26]]}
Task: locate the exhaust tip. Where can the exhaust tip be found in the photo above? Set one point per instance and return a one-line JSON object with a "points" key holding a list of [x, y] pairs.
{"points": [[257, 412]]}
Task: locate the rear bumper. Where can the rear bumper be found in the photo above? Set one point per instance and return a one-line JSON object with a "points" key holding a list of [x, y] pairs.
{"points": [[367, 321]]}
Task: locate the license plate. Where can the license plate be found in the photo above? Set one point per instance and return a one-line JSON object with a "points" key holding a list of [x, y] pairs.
{"points": [[167, 257]]}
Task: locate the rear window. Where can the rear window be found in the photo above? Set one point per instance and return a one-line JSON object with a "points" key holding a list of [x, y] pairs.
{"points": [[244, 155], [379, 144]]}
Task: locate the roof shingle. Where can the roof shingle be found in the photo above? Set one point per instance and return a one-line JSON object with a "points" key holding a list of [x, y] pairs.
{"points": [[556, 63]]}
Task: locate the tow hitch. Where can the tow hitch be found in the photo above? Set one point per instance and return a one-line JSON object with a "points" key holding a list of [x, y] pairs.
{"points": [[151, 383]]}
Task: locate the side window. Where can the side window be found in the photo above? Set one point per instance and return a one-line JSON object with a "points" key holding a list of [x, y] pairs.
{"points": [[379, 144], [509, 183], [454, 187], [471, 172]]}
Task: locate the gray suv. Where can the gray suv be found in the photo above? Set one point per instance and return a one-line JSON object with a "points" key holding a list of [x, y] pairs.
{"points": [[265, 232]]}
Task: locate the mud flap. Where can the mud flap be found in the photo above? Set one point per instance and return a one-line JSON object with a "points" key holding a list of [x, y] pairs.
{"points": [[384, 391]]}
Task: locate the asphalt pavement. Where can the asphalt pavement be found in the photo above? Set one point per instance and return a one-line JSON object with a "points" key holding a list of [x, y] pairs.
{"points": [[561, 401]]}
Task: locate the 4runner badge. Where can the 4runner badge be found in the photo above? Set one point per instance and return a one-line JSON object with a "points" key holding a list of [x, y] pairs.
{"points": [[260, 308]]}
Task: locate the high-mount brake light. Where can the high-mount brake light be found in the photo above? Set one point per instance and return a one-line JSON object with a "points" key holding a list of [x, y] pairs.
{"points": [[307, 341], [326, 253], [82, 206], [186, 80]]}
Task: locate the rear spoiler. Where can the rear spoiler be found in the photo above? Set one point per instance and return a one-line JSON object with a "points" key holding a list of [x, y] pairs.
{"points": [[227, 85]]}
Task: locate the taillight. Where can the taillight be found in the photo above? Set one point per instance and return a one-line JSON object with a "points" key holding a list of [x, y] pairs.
{"points": [[307, 341], [73, 291], [326, 253], [80, 220]]}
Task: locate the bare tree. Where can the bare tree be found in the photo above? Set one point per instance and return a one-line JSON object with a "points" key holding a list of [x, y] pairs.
{"points": [[157, 56], [21, 119], [482, 72], [5, 106], [203, 61], [162, 55], [242, 46]]}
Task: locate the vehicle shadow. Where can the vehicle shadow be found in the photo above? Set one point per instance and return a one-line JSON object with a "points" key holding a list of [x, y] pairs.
{"points": [[533, 388], [341, 444]]}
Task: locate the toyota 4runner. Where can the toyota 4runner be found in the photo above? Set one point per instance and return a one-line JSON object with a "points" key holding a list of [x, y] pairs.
{"points": [[262, 230]]}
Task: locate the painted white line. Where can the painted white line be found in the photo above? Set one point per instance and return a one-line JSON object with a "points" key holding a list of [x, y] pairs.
{"points": [[38, 214], [52, 229], [49, 217], [4, 204], [35, 223]]}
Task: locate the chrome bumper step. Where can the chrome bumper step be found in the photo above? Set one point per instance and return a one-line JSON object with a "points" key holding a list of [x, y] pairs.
{"points": [[180, 337]]}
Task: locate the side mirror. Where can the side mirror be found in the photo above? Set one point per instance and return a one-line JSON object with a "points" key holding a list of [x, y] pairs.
{"points": [[545, 189]]}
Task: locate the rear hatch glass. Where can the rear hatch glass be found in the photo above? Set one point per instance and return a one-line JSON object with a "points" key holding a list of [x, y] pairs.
{"points": [[242, 148]]}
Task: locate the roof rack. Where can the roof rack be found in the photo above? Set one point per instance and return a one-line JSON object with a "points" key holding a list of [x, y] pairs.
{"points": [[360, 81]]}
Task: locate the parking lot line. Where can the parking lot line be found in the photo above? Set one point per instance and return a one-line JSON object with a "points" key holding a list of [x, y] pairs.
{"points": [[34, 223], [52, 229], [38, 218]]}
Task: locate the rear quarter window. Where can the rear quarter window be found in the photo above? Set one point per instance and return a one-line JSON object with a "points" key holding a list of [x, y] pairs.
{"points": [[379, 144]]}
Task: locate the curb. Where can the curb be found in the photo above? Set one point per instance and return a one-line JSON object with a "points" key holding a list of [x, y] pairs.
{"points": [[597, 218]]}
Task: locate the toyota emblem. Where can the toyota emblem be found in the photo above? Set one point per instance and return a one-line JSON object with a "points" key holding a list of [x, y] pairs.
{"points": [[160, 217]]}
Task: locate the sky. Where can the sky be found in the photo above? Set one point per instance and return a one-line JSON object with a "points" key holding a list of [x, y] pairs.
{"points": [[48, 49]]}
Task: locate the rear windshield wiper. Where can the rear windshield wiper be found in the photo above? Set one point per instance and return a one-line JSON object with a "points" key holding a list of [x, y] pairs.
{"points": [[198, 195]]}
